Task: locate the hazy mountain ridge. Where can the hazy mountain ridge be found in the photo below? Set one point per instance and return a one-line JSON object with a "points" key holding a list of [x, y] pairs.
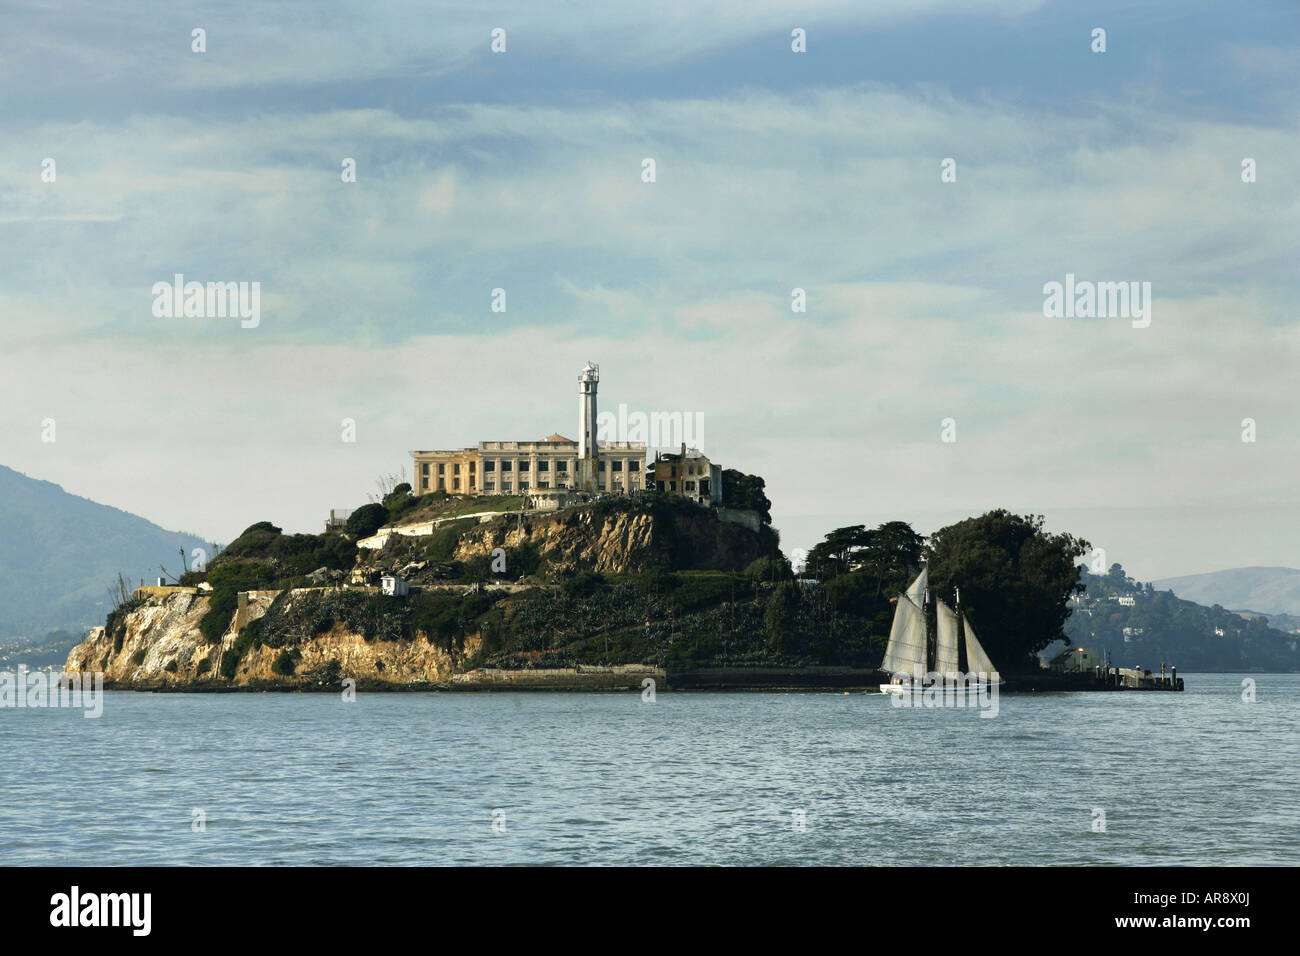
{"points": [[59, 553], [1266, 590]]}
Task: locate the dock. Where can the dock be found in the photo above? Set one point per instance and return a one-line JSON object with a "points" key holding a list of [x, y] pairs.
{"points": [[1099, 677]]}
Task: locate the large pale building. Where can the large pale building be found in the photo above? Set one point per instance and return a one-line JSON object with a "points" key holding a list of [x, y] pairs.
{"points": [[555, 463]]}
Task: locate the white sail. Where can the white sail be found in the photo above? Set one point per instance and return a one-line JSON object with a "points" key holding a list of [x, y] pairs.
{"points": [[906, 639], [917, 591], [977, 662], [945, 650]]}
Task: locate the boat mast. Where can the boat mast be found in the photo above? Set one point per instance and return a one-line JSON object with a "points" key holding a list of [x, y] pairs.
{"points": [[931, 633], [961, 634]]}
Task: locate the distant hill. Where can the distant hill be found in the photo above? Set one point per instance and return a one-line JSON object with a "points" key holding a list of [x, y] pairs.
{"points": [[1266, 590], [59, 554], [1139, 625], [48, 650]]}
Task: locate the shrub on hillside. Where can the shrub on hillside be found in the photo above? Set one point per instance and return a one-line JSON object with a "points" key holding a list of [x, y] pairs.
{"points": [[442, 543], [115, 625], [227, 581], [772, 567], [700, 589], [583, 584], [291, 554], [252, 540], [398, 500], [286, 662], [366, 520]]}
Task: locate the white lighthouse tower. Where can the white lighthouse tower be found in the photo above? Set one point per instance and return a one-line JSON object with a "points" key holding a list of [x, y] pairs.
{"points": [[586, 464]]}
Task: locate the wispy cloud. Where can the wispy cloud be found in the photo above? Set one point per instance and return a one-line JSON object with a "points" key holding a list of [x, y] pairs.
{"points": [[923, 297]]}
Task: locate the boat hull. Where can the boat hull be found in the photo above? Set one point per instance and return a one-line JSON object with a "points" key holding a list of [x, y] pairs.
{"points": [[910, 687]]}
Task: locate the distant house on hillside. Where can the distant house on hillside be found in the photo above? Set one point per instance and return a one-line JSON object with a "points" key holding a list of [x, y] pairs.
{"points": [[338, 519]]}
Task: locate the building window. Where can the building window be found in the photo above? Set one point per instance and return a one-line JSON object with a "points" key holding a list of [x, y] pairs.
{"points": [[455, 469], [523, 466], [601, 467], [442, 470], [523, 486], [543, 484], [442, 484], [561, 465], [490, 486], [562, 485], [690, 486], [424, 468], [543, 465], [489, 465], [505, 466], [618, 464], [471, 466], [455, 484], [634, 466], [505, 486], [424, 484]]}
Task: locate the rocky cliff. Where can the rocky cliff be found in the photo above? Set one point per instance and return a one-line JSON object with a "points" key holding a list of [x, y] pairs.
{"points": [[623, 541], [159, 644]]}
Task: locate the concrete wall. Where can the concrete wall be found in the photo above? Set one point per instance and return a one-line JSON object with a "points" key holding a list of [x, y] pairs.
{"points": [[749, 519], [153, 590]]}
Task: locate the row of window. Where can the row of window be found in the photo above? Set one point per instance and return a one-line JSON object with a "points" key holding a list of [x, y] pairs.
{"points": [[442, 468], [561, 465], [442, 484], [524, 486]]}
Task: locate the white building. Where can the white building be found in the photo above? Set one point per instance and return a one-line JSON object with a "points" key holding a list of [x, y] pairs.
{"points": [[393, 586]]}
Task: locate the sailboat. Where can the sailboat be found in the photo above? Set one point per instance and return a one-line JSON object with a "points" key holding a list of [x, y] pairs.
{"points": [[908, 653]]}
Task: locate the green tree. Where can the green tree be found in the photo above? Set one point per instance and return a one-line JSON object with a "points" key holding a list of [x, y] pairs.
{"points": [[834, 555], [1015, 579], [366, 520], [888, 555], [891, 556], [740, 490], [1118, 580]]}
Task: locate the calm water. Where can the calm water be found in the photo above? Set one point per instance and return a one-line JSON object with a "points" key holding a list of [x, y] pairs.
{"points": [[1193, 778]]}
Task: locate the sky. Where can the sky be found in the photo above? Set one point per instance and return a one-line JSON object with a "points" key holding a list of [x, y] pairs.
{"points": [[775, 170]]}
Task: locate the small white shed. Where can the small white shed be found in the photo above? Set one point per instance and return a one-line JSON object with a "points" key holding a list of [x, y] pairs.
{"points": [[393, 586]]}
